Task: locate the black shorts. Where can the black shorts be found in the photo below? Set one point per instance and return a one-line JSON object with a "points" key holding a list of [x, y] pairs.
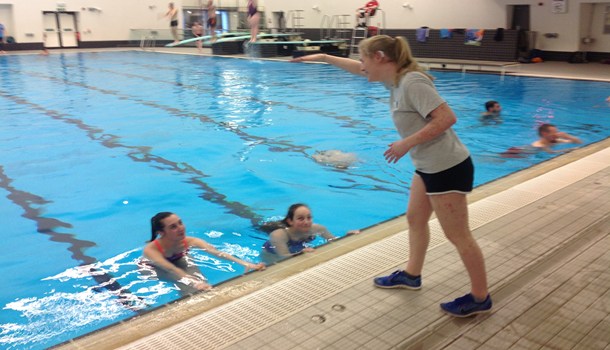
{"points": [[212, 22], [458, 178], [173, 23]]}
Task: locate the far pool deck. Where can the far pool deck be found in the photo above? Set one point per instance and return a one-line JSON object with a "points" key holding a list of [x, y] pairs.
{"points": [[545, 234]]}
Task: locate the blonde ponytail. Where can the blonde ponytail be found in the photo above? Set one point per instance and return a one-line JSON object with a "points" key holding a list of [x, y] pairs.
{"points": [[396, 50]]}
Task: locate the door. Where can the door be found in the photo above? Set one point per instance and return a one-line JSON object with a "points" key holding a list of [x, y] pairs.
{"points": [[521, 17], [51, 32], [59, 29], [67, 28]]}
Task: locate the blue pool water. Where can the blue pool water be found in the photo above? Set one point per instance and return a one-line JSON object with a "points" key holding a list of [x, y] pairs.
{"points": [[92, 145]]}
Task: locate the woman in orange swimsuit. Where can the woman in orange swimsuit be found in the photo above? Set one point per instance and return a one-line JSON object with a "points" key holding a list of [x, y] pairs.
{"points": [[168, 252]]}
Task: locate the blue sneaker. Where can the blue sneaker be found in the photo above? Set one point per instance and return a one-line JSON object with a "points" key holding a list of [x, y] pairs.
{"points": [[398, 279], [466, 306]]}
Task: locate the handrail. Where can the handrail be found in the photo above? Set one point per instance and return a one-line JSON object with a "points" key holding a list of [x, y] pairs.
{"points": [[149, 40], [382, 27], [325, 18]]}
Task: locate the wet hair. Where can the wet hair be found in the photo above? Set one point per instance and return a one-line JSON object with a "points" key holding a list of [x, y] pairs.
{"points": [[271, 226], [156, 223], [544, 128], [396, 50], [490, 104]]}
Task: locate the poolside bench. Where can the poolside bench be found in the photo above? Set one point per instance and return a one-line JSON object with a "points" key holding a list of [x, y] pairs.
{"points": [[463, 65]]}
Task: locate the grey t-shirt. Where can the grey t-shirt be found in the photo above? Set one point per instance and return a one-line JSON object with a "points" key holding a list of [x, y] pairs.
{"points": [[411, 103]]}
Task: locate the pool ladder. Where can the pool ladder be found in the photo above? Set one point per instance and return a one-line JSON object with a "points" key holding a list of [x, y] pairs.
{"points": [[360, 33], [342, 30], [295, 17]]}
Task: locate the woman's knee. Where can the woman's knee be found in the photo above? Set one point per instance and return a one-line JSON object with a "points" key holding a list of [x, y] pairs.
{"points": [[417, 219], [463, 240]]}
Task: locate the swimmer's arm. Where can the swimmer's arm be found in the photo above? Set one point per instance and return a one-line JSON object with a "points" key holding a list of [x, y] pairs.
{"points": [[568, 137], [279, 240], [323, 231], [160, 261], [200, 243], [441, 119], [347, 64]]}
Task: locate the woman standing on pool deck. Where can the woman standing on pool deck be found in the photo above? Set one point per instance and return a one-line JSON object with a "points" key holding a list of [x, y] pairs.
{"points": [[444, 170], [253, 19], [169, 251]]}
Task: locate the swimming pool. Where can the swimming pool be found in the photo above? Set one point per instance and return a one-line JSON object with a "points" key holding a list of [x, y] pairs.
{"points": [[95, 144]]}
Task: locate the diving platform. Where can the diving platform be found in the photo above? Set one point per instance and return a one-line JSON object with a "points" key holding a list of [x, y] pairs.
{"points": [[279, 44]]}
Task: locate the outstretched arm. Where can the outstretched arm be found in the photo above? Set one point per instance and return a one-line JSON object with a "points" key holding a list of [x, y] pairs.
{"points": [[199, 243], [180, 275], [347, 64], [323, 231], [569, 138], [160, 261]]}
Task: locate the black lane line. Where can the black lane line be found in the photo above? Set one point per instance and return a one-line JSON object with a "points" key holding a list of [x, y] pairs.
{"points": [[48, 226], [273, 146], [142, 154]]}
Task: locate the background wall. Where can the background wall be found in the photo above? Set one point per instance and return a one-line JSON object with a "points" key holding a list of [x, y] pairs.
{"points": [[470, 14], [434, 14], [117, 17], [567, 25], [113, 22]]}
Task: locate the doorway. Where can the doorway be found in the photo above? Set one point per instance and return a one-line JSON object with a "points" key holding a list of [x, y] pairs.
{"points": [[60, 29], [521, 17]]}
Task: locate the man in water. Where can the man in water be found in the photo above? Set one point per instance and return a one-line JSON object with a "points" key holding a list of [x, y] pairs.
{"points": [[492, 113], [550, 136], [492, 109]]}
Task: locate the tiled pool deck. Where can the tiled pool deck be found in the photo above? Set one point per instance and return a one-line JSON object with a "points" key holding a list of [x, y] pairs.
{"points": [[545, 233]]}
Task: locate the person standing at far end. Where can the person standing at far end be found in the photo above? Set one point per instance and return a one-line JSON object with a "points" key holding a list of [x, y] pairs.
{"points": [[254, 18]]}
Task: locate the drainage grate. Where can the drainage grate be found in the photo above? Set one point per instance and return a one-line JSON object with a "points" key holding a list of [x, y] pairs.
{"points": [[243, 317]]}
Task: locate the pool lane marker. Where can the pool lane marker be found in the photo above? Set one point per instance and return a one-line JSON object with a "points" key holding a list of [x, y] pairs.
{"points": [[273, 146], [142, 154], [48, 226]]}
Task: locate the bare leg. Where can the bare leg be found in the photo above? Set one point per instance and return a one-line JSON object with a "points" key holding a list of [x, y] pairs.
{"points": [[175, 34], [451, 210], [418, 214], [254, 21]]}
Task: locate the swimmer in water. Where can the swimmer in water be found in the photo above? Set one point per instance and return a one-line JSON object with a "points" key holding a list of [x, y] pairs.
{"points": [[168, 252], [338, 159], [492, 113], [292, 235], [551, 136]]}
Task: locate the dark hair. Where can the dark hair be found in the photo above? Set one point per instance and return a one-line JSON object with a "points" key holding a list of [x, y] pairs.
{"points": [[544, 128], [271, 226], [156, 223], [490, 104]]}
